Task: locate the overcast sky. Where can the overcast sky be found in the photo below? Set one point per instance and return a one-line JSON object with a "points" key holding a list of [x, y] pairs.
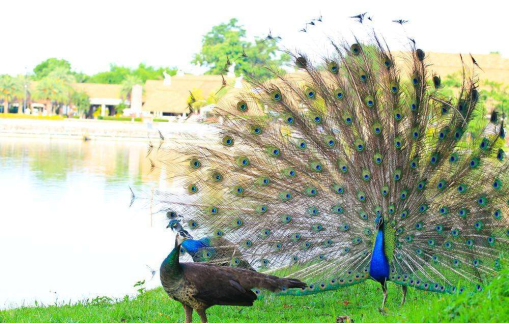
{"points": [[92, 34]]}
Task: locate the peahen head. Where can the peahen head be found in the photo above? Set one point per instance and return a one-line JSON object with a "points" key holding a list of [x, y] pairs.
{"points": [[179, 239], [379, 222]]}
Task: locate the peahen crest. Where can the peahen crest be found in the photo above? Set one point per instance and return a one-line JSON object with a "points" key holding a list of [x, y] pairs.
{"points": [[310, 170]]}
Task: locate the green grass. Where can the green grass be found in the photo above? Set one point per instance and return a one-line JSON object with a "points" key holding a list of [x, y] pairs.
{"points": [[360, 303]]}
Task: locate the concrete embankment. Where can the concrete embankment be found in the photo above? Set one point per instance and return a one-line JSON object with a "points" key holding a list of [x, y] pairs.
{"points": [[100, 129]]}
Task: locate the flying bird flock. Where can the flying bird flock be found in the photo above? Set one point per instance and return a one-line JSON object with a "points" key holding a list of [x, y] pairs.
{"points": [[360, 172]]}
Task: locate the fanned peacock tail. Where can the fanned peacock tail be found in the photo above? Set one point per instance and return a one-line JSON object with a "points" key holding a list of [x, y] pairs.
{"points": [[297, 189]]}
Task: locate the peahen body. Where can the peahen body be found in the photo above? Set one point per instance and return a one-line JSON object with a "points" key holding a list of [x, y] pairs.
{"points": [[199, 286], [349, 170]]}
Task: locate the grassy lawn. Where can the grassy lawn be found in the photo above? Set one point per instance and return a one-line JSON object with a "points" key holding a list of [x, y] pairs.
{"points": [[360, 303]]}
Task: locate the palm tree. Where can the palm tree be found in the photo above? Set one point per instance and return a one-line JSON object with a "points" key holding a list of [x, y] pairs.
{"points": [[24, 82], [81, 100], [127, 86], [10, 88], [55, 88]]}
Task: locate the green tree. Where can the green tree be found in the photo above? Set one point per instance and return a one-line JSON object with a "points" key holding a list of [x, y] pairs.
{"points": [[227, 41], [44, 68], [81, 100], [11, 88], [56, 88], [117, 74]]}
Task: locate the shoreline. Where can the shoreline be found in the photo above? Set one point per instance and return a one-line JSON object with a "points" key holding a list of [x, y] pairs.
{"points": [[101, 130]]}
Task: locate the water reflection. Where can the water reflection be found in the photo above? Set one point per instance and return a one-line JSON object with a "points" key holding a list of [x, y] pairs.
{"points": [[66, 232]]}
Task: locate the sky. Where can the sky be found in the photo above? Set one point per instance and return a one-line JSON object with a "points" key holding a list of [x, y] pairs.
{"points": [[93, 34]]}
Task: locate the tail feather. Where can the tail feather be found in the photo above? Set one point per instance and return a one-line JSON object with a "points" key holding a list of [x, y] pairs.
{"points": [[295, 191]]}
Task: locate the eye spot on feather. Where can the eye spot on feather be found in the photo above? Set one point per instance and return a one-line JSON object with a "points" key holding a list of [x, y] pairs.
{"points": [[242, 106], [463, 212], [195, 163], [333, 67], [497, 184], [355, 49], [193, 224], [276, 95], [193, 189]]}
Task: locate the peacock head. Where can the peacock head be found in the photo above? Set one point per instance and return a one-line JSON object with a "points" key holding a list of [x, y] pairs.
{"points": [[175, 225], [379, 222]]}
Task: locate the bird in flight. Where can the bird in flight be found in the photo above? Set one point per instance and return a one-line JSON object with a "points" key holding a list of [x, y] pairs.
{"points": [[360, 17], [400, 21]]}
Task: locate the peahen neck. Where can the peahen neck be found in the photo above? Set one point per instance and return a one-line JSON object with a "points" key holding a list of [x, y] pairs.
{"points": [[171, 267], [379, 265]]}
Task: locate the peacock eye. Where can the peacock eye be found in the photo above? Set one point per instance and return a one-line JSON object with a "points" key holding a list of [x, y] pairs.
{"points": [[333, 67], [355, 49], [276, 95], [339, 94], [242, 106]]}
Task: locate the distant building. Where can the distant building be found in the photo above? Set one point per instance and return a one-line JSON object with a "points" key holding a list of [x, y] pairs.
{"points": [[169, 97], [105, 97]]}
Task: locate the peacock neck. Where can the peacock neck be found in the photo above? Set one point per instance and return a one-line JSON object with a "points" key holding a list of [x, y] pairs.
{"points": [[379, 266], [171, 266], [378, 249]]}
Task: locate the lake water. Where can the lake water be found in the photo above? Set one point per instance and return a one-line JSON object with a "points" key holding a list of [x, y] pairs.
{"points": [[66, 230]]}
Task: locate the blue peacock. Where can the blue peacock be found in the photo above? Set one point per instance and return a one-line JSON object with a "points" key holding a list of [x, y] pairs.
{"points": [[351, 170]]}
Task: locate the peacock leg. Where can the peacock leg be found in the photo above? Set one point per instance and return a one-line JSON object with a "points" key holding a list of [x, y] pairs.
{"points": [[202, 314], [384, 290], [404, 288], [189, 313]]}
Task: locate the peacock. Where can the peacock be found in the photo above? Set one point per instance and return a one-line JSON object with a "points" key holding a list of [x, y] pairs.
{"points": [[358, 166], [199, 286], [205, 249]]}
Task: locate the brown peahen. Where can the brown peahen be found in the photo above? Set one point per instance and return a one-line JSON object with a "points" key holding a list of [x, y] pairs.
{"points": [[351, 170], [199, 286]]}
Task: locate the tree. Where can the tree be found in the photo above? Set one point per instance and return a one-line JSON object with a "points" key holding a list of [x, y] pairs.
{"points": [[81, 100], [11, 88], [44, 68], [117, 74], [56, 88], [227, 42]]}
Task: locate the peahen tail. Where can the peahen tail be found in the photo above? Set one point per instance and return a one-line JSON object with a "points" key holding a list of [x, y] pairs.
{"points": [[304, 163]]}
